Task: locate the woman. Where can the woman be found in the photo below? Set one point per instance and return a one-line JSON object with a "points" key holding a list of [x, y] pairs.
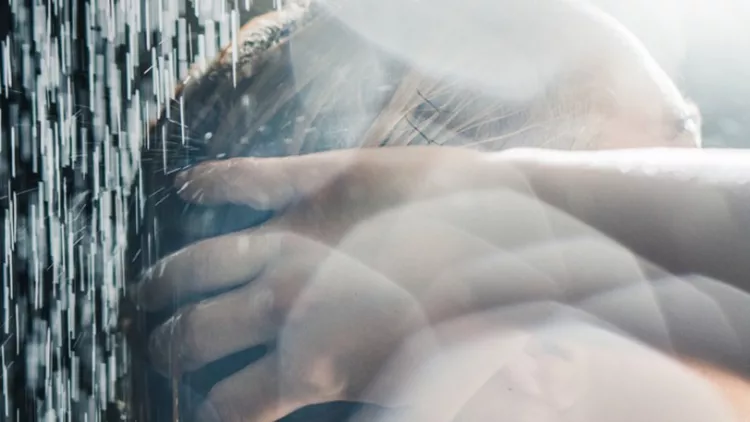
{"points": [[313, 78]]}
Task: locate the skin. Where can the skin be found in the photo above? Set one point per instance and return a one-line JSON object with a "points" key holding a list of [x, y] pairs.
{"points": [[613, 88], [605, 93], [602, 94], [371, 249]]}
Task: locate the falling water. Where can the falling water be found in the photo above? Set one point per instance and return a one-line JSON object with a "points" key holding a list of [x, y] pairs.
{"points": [[79, 82]]}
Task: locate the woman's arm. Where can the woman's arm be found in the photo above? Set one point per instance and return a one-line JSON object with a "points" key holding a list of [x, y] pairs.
{"points": [[686, 210]]}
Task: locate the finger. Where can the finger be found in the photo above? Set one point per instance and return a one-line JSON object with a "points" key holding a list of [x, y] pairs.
{"points": [[261, 183], [212, 329], [272, 183], [254, 394], [237, 320], [206, 266]]}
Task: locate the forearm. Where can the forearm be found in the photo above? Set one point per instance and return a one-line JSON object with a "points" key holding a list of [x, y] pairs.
{"points": [[686, 210]]}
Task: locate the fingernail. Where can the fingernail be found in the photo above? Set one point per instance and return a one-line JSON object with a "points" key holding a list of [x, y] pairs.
{"points": [[159, 346]]}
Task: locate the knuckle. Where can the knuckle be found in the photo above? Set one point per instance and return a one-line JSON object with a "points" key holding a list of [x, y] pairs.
{"points": [[317, 377], [272, 242], [284, 242], [272, 300], [265, 309]]}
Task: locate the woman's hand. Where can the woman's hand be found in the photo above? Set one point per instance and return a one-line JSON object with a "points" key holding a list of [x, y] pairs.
{"points": [[368, 247], [338, 278]]}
